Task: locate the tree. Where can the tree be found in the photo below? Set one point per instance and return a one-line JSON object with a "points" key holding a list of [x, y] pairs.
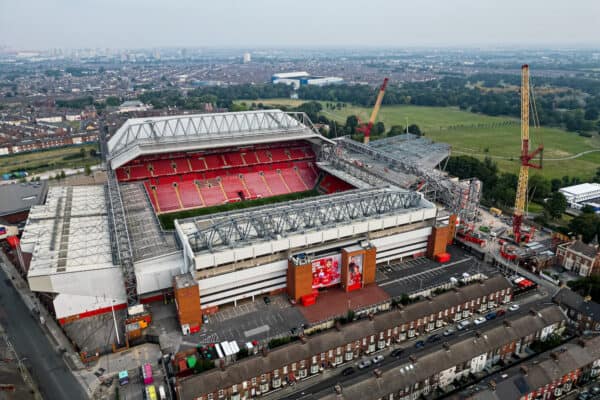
{"points": [[351, 123], [414, 129], [587, 225], [396, 130], [539, 187], [62, 175], [378, 128], [556, 205], [87, 170], [591, 113], [82, 152], [112, 101]]}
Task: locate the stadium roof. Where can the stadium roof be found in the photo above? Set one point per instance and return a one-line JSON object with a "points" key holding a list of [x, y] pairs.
{"points": [[140, 136], [18, 197], [414, 148], [278, 221], [69, 232]]}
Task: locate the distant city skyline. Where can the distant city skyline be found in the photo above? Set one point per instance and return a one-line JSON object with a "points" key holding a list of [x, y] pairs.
{"points": [[39, 25]]}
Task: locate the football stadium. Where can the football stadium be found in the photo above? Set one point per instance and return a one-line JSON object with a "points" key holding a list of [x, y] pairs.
{"points": [[217, 208]]}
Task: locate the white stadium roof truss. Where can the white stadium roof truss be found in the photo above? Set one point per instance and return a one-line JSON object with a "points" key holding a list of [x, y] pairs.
{"points": [[276, 221], [190, 130]]}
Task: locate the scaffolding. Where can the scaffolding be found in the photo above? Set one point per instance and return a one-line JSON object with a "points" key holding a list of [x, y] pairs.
{"points": [[118, 225], [374, 164]]}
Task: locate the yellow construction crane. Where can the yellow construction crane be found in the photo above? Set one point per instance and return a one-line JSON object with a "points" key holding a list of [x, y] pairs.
{"points": [[366, 129], [526, 157]]}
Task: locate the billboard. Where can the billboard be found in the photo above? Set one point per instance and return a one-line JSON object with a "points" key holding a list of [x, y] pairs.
{"points": [[326, 271], [355, 272]]}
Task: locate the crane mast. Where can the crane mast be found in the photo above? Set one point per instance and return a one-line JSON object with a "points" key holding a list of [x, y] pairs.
{"points": [[367, 128], [525, 157]]}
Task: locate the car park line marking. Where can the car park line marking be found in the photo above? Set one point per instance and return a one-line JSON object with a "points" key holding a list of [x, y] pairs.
{"points": [[441, 267]]}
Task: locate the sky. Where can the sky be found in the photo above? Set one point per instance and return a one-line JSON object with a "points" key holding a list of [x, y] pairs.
{"points": [[43, 24]]}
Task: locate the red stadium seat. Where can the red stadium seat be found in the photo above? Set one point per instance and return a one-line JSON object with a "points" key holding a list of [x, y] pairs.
{"points": [[263, 157], [122, 174], [190, 197], [137, 172], [234, 159], [276, 183], [182, 165], [234, 187], [331, 184], [198, 164], [161, 167], [279, 154], [213, 195], [167, 198], [249, 158], [214, 161], [256, 183], [293, 180]]}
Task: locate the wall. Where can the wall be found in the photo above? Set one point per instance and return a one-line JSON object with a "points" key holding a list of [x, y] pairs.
{"points": [[299, 280]]}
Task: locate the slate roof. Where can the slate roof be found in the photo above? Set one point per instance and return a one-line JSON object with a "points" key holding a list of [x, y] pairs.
{"points": [[575, 301]]}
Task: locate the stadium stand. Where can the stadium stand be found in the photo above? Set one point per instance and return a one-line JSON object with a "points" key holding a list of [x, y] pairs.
{"points": [[330, 184], [179, 181]]}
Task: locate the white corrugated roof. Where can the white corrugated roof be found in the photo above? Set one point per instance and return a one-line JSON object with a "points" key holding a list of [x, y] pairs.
{"points": [[583, 188]]}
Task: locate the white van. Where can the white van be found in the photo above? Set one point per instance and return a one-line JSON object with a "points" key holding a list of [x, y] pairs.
{"points": [[161, 393]]}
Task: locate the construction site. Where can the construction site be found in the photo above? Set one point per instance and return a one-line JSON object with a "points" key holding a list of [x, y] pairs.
{"points": [[204, 214]]}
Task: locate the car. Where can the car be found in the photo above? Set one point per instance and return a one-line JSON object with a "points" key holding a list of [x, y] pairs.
{"points": [[420, 344], [377, 359], [513, 307], [463, 324], [479, 321], [397, 352], [490, 316], [584, 396], [267, 300], [449, 332], [595, 390], [500, 312], [348, 371], [364, 364], [434, 338]]}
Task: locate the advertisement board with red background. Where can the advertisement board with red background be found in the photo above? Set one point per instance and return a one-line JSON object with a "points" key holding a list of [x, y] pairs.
{"points": [[326, 271], [355, 272]]}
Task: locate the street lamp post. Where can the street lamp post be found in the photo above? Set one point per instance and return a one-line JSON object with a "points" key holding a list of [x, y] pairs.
{"points": [[112, 307]]}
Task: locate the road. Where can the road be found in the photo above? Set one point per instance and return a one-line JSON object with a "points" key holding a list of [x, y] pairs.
{"points": [[535, 300], [43, 360]]}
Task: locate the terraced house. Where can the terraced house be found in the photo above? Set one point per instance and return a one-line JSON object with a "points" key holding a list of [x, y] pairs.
{"points": [[284, 365]]}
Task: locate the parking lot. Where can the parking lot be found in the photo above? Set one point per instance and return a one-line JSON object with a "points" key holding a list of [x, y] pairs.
{"points": [[248, 321], [416, 275]]}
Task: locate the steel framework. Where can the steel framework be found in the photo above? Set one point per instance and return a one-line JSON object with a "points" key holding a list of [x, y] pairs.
{"points": [[460, 197], [276, 221], [118, 223], [186, 129]]}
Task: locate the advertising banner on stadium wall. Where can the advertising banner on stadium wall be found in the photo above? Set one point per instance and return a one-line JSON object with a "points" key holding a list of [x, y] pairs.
{"points": [[355, 272], [326, 271]]}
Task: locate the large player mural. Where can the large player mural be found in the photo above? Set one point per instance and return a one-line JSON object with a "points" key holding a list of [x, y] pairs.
{"points": [[326, 271], [355, 272]]}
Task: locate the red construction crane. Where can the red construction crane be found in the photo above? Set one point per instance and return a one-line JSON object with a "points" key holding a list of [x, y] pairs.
{"points": [[366, 129], [526, 156]]}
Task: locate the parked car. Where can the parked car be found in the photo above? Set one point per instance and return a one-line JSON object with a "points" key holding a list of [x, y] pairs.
{"points": [[267, 300], [434, 338], [397, 352], [500, 312], [420, 344], [584, 396], [491, 316], [479, 321], [463, 324], [449, 332], [513, 307], [595, 390], [364, 364], [348, 371], [377, 359]]}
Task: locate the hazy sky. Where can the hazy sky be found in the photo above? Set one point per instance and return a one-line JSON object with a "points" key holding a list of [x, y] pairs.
{"points": [[39, 24]]}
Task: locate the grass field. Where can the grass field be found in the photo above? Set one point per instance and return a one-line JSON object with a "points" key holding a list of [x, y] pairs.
{"points": [[480, 136], [39, 161]]}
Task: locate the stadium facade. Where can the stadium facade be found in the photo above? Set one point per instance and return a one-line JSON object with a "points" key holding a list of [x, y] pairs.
{"points": [[95, 248]]}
